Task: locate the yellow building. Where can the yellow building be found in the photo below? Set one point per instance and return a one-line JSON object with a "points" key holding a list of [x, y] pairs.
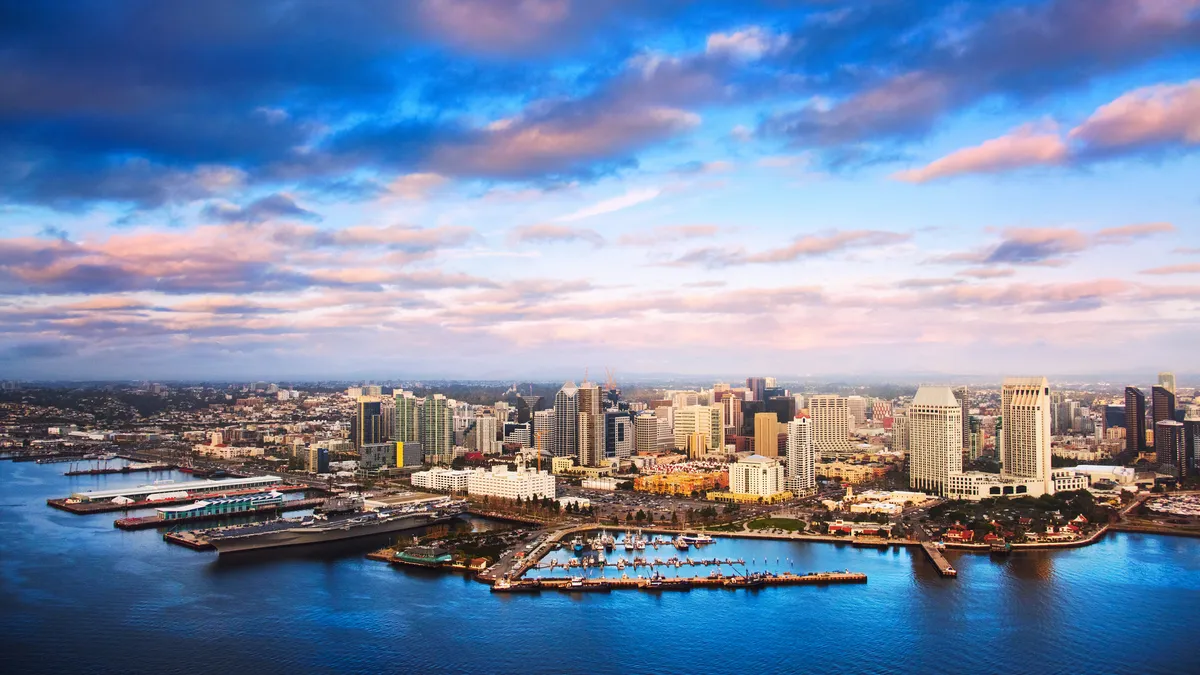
{"points": [[561, 464], [766, 434], [678, 484], [736, 498], [850, 473]]}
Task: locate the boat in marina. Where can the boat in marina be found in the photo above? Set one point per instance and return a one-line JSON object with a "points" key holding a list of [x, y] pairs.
{"points": [[628, 541], [577, 544], [639, 541], [680, 543]]}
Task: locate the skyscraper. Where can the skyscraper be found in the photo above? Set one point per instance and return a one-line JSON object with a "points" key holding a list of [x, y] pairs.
{"points": [[527, 404], [564, 437], [543, 430], [368, 422], [801, 459], [830, 416], [1025, 437], [964, 401], [1162, 405], [646, 432], [1135, 420], [766, 434], [408, 409], [437, 428], [1190, 465], [857, 406], [755, 387], [934, 439], [1167, 381], [618, 435], [704, 420], [1170, 447], [590, 433]]}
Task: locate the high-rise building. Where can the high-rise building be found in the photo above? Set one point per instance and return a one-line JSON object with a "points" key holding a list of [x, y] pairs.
{"points": [[857, 406], [766, 434], [645, 428], [1162, 405], [830, 425], [485, 435], [543, 430], [437, 428], [900, 432], [618, 435], [565, 435], [1167, 381], [1170, 447], [704, 420], [784, 408], [1025, 438], [408, 409], [801, 460], [964, 401], [755, 387], [1190, 466], [934, 439], [731, 412], [527, 404], [1135, 420], [368, 422], [590, 433]]}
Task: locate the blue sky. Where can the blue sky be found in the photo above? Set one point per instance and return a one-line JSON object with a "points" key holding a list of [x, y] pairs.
{"points": [[464, 188]]}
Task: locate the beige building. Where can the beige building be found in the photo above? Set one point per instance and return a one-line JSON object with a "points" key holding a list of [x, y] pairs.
{"points": [[766, 434], [935, 439], [830, 416], [1025, 435], [699, 420]]}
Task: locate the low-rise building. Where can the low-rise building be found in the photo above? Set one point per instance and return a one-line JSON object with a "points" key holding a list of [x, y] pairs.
{"points": [[680, 484], [600, 483], [437, 478], [500, 481]]}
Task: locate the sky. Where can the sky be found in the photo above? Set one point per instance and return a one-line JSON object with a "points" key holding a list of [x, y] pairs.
{"points": [[527, 188]]}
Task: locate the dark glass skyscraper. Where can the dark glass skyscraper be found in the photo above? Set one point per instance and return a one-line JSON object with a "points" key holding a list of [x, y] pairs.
{"points": [[368, 423], [1162, 404], [1135, 420]]}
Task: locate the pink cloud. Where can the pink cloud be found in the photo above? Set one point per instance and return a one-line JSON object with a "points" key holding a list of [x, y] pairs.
{"points": [[1189, 268], [1026, 146], [1150, 116], [550, 233]]}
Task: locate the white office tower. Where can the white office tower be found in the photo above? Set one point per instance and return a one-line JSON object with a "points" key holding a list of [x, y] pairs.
{"points": [[1025, 434], [485, 435], [543, 430], [756, 475], [408, 409], [830, 416], [645, 428], [702, 420], [934, 439], [801, 460], [1167, 381], [563, 438]]}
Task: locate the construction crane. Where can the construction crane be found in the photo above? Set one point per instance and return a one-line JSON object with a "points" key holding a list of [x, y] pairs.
{"points": [[610, 382], [538, 444]]}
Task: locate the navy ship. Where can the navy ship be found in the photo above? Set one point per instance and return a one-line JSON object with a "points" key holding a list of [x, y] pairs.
{"points": [[332, 526]]}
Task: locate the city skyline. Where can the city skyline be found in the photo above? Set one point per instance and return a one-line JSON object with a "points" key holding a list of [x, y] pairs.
{"points": [[485, 189]]}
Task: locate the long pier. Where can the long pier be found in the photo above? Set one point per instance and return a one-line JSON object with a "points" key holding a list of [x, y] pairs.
{"points": [[147, 522], [680, 584], [132, 468], [939, 560], [88, 508]]}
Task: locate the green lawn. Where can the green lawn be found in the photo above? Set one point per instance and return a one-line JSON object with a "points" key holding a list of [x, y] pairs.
{"points": [[789, 524]]}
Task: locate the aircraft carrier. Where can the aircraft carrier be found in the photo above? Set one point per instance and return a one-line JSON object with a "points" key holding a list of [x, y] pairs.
{"points": [[325, 528]]}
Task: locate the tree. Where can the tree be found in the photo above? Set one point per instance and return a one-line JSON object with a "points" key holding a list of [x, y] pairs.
{"points": [[650, 517], [674, 518], [641, 515], [628, 517]]}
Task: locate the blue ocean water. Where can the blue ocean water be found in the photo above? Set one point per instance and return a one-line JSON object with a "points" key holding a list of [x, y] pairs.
{"points": [[77, 595]]}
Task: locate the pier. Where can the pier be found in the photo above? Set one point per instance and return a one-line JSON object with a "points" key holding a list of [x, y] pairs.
{"points": [[88, 508], [568, 585], [939, 560], [147, 522], [131, 468]]}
